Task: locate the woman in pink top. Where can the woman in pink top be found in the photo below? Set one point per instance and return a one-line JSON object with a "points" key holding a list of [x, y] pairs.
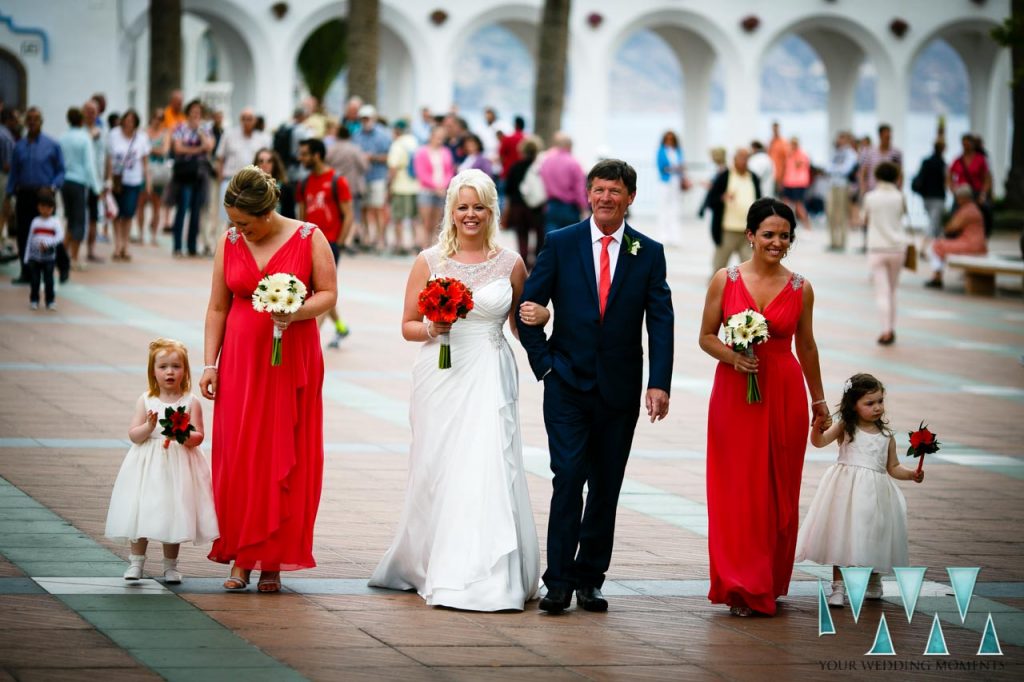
{"points": [[965, 234], [795, 181], [434, 169]]}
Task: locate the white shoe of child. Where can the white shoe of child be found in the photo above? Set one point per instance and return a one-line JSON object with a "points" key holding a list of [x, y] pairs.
{"points": [[135, 562], [171, 574], [874, 590], [835, 600]]}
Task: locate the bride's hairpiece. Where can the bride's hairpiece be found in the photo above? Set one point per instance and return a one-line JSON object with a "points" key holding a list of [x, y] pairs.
{"points": [[847, 386]]}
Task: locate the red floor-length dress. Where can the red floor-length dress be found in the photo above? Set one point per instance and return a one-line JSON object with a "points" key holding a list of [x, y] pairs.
{"points": [[755, 458], [268, 452]]}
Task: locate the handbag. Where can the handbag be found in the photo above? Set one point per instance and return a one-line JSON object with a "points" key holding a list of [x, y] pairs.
{"points": [[532, 187], [910, 258], [160, 171], [110, 207]]}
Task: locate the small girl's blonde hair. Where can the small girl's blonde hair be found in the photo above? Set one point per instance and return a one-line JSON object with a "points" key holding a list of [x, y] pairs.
{"points": [[158, 346]]}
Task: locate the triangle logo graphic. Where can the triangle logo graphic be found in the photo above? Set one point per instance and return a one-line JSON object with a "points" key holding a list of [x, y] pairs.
{"points": [[936, 640], [963, 580], [856, 580], [825, 624], [883, 641], [910, 579], [990, 640]]}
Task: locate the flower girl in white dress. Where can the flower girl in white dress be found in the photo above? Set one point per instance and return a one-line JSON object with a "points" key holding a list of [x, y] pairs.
{"points": [[858, 516], [163, 490]]}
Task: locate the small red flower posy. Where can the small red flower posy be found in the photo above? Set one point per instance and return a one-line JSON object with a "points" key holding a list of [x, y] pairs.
{"points": [[922, 442], [177, 426], [443, 301]]}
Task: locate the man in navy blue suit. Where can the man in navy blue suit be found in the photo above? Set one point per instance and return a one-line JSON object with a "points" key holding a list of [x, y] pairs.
{"points": [[603, 278]]}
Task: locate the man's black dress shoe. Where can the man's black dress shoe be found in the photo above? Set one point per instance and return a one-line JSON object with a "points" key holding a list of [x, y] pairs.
{"points": [[591, 599], [556, 600]]}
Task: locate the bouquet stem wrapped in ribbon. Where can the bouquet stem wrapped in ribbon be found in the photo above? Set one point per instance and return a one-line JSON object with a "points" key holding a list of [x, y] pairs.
{"points": [[443, 301], [743, 331], [922, 442], [278, 293], [177, 426]]}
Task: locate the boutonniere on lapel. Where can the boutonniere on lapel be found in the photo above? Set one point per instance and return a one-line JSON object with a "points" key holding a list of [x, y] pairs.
{"points": [[632, 245]]}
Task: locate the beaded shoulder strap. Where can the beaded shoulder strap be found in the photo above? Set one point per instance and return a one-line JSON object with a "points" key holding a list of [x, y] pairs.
{"points": [[798, 281], [306, 230], [233, 235], [733, 272]]}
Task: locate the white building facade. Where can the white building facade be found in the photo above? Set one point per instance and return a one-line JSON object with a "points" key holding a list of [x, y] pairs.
{"points": [[57, 52]]}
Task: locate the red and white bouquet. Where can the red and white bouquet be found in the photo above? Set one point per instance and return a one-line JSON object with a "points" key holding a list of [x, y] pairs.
{"points": [[177, 426], [278, 293], [922, 442], [443, 301], [743, 331]]}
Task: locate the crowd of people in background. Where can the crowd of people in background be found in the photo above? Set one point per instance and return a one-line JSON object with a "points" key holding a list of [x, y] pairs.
{"points": [[380, 184], [860, 189]]}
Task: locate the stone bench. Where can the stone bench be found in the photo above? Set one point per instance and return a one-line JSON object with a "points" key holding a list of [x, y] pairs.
{"points": [[980, 271]]}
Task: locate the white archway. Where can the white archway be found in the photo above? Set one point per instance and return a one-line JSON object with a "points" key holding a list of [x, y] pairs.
{"points": [[13, 81], [844, 45], [237, 38], [988, 69], [403, 55]]}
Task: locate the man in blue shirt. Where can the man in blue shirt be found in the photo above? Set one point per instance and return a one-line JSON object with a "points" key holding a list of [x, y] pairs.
{"points": [[37, 163], [375, 141]]}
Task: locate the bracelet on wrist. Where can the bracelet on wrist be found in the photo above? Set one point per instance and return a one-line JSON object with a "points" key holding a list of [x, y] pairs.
{"points": [[819, 402], [213, 367], [426, 328]]}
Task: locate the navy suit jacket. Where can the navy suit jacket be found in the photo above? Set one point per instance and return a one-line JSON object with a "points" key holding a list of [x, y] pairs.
{"points": [[583, 350]]}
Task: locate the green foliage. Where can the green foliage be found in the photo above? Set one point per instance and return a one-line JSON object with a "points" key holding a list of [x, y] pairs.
{"points": [[1011, 34], [323, 57]]}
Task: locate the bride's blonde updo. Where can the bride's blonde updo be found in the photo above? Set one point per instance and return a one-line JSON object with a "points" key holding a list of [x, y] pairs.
{"points": [[252, 191]]}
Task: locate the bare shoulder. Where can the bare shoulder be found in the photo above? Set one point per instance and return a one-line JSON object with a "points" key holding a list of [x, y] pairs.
{"points": [[718, 280]]}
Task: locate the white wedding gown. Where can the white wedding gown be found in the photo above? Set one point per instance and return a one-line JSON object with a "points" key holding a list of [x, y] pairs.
{"points": [[466, 537]]}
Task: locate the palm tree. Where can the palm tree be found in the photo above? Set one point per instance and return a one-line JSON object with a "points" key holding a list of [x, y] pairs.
{"points": [[363, 48], [553, 44], [164, 50], [323, 56], [1011, 35]]}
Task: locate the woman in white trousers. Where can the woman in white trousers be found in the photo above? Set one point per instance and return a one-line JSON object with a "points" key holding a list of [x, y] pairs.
{"points": [[884, 208]]}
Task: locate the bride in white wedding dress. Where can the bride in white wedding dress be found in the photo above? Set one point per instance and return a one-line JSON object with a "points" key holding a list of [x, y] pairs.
{"points": [[466, 537]]}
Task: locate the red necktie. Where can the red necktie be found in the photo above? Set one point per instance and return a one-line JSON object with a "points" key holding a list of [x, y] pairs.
{"points": [[604, 283]]}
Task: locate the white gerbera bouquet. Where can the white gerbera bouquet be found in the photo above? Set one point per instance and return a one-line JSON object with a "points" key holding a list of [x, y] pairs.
{"points": [[278, 293], [743, 331]]}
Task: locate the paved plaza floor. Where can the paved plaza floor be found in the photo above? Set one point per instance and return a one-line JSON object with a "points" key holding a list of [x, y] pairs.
{"points": [[70, 379]]}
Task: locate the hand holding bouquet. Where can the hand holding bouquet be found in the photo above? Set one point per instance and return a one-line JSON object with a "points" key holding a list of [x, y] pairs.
{"points": [[176, 426], [922, 442], [443, 301], [743, 331], [278, 293]]}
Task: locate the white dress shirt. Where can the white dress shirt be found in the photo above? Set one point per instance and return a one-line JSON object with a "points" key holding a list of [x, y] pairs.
{"points": [[613, 249]]}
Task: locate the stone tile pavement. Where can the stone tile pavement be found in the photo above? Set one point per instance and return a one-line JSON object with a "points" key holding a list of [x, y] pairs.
{"points": [[69, 380]]}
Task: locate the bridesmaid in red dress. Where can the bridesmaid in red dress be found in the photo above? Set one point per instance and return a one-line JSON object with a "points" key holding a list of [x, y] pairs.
{"points": [[756, 451], [268, 421]]}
